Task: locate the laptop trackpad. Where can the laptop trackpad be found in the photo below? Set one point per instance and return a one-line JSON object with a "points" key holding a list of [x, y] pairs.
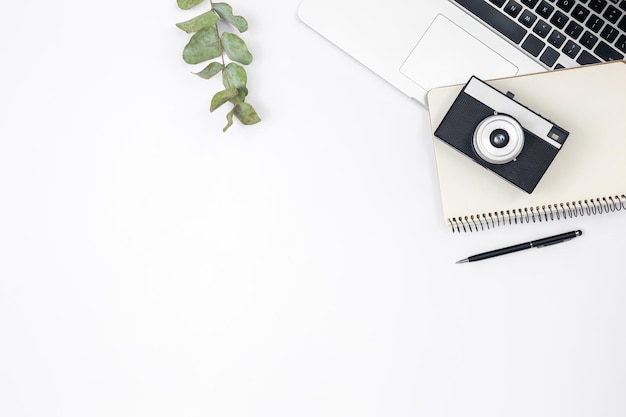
{"points": [[448, 55]]}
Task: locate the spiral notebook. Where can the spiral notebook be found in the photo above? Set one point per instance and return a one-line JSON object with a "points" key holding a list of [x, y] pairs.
{"points": [[587, 177]]}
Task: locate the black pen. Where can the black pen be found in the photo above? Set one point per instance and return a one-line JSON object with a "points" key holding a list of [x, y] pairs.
{"points": [[552, 240]]}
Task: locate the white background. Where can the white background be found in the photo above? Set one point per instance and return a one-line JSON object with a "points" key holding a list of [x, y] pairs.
{"points": [[151, 265]]}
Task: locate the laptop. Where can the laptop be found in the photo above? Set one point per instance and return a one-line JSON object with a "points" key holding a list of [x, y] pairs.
{"points": [[417, 45]]}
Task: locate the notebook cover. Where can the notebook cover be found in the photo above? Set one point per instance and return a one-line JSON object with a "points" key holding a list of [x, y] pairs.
{"points": [[588, 101]]}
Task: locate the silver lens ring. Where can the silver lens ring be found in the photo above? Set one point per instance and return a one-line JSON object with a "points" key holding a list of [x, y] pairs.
{"points": [[498, 151]]}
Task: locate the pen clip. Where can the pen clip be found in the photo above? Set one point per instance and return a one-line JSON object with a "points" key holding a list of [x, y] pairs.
{"points": [[555, 239], [552, 243]]}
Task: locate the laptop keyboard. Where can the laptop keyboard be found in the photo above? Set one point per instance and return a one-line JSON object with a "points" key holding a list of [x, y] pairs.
{"points": [[557, 33]]}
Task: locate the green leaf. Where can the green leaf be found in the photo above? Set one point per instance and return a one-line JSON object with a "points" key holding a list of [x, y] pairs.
{"points": [[246, 114], [222, 97], [229, 118], [203, 21], [212, 69], [234, 76], [202, 46], [236, 48], [188, 4], [226, 13], [240, 97]]}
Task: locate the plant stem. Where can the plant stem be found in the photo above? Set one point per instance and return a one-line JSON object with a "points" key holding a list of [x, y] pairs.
{"points": [[219, 39]]}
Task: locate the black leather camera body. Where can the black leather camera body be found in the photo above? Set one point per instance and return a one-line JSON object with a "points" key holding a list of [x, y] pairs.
{"points": [[500, 134]]}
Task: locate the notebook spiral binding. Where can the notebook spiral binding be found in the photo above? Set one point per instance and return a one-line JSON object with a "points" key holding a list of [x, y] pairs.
{"points": [[550, 212]]}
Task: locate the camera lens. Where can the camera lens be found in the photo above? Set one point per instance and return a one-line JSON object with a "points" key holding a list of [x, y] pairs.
{"points": [[499, 138]]}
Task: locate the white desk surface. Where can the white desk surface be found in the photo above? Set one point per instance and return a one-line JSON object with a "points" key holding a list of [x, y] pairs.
{"points": [[152, 266]]}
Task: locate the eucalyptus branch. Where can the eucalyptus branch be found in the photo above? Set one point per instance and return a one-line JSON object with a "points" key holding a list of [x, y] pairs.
{"points": [[208, 44]]}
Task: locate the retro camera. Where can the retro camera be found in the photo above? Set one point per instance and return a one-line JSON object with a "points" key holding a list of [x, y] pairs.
{"points": [[500, 134]]}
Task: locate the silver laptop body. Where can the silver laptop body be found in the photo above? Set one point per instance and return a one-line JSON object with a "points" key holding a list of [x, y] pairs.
{"points": [[419, 44]]}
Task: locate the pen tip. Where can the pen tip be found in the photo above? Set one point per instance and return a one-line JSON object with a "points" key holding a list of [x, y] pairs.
{"points": [[462, 261]]}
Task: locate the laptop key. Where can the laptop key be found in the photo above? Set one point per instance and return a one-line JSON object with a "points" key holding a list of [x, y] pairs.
{"points": [[545, 9], [542, 29], [580, 13], [588, 40], [533, 45], [527, 18], [565, 5], [494, 18], [549, 56], [573, 30], [586, 58], [513, 8], [612, 14], [598, 5], [621, 43], [559, 20], [609, 33], [571, 49], [594, 23], [556, 38], [607, 53]]}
